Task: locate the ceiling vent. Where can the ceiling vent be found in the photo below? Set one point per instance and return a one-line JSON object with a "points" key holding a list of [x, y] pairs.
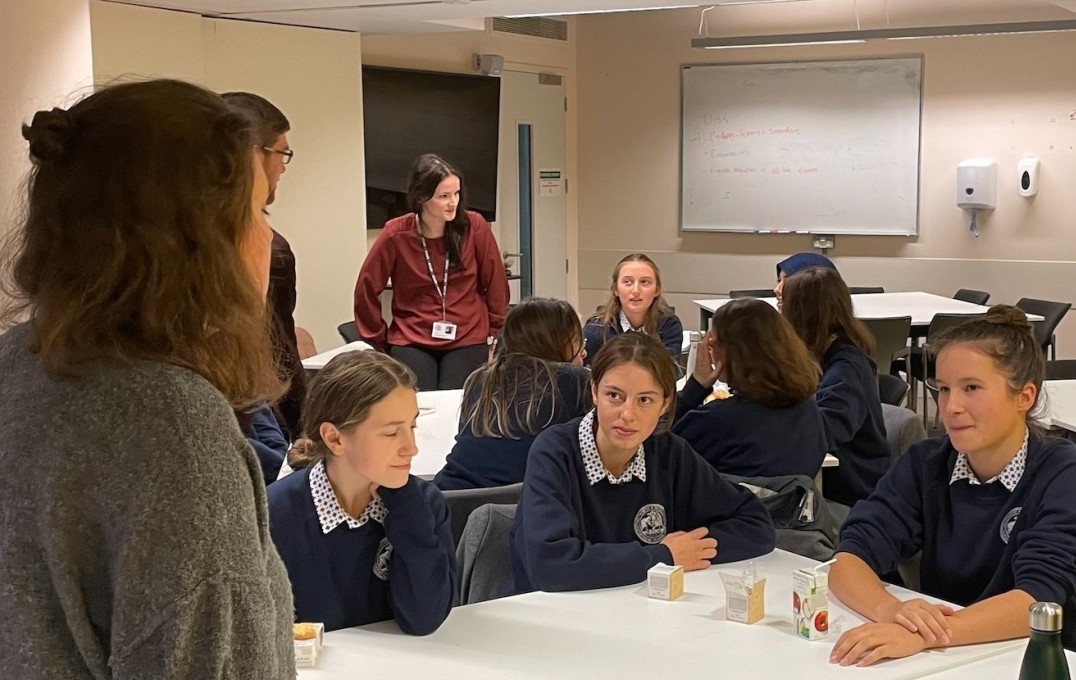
{"points": [[537, 27]]}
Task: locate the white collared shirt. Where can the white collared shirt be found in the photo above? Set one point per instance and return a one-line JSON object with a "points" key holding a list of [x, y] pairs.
{"points": [[626, 326], [1009, 476], [330, 514], [596, 470]]}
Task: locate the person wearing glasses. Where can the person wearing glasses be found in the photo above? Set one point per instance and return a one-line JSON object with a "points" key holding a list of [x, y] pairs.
{"points": [[271, 129], [535, 379], [449, 288]]}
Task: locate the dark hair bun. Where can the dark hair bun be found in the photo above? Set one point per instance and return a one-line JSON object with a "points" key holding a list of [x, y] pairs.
{"points": [[48, 134], [1007, 315], [303, 453]]}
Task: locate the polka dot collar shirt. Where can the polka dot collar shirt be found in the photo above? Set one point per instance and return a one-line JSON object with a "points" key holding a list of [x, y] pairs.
{"points": [[596, 471], [626, 326], [1009, 477], [330, 514]]}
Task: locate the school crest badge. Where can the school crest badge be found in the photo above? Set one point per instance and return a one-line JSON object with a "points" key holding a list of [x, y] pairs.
{"points": [[1007, 524], [381, 561], [650, 524]]}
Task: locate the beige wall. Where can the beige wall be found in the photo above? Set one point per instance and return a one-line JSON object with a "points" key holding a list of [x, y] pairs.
{"points": [[313, 76], [44, 62], [451, 52], [998, 96]]}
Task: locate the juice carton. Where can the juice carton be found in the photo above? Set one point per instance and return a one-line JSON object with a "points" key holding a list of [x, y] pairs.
{"points": [[810, 603], [745, 594], [309, 638], [664, 582]]}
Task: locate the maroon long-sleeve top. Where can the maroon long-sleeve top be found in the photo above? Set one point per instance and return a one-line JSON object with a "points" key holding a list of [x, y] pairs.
{"points": [[476, 300]]}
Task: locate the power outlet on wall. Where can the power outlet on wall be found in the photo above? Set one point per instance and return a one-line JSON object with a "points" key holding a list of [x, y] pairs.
{"points": [[824, 242]]}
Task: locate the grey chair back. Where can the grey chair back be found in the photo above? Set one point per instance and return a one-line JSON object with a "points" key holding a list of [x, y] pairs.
{"points": [[891, 389], [1052, 313], [902, 429], [755, 293], [975, 297], [890, 339], [484, 554], [349, 331], [1061, 369], [462, 502]]}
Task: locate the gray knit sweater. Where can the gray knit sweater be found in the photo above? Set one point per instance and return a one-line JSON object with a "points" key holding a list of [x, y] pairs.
{"points": [[134, 538]]}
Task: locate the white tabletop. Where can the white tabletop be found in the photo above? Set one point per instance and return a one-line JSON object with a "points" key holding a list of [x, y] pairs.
{"points": [[920, 306], [1001, 667], [435, 433], [318, 361], [620, 633], [1060, 404]]}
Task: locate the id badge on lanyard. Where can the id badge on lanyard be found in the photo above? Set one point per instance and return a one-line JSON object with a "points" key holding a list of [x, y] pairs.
{"points": [[443, 329]]}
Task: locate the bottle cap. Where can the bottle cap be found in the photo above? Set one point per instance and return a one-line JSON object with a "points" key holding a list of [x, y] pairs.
{"points": [[1045, 616]]}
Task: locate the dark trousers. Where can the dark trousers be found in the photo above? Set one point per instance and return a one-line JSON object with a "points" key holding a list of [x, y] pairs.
{"points": [[441, 369]]}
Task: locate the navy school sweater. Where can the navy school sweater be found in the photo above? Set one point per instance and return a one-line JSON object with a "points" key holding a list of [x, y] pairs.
{"points": [[482, 462], [670, 332], [569, 535], [852, 419], [333, 576], [744, 438], [976, 541], [268, 440]]}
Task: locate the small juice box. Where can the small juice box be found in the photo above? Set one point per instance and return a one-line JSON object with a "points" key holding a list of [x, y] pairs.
{"points": [[810, 603], [664, 582], [308, 640], [745, 595]]}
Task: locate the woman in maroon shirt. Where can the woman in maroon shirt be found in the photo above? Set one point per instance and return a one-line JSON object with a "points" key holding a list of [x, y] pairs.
{"points": [[449, 288]]}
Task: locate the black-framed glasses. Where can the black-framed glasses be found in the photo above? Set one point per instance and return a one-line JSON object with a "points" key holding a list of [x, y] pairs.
{"points": [[286, 153], [582, 349]]}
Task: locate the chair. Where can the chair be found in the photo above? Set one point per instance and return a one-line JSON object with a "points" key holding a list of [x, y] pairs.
{"points": [[484, 554], [1061, 369], [902, 429], [975, 297], [462, 502], [755, 293], [805, 525], [860, 290], [890, 340], [349, 331], [921, 364], [1052, 313], [891, 389]]}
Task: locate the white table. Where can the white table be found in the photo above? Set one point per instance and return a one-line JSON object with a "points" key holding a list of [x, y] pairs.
{"points": [[318, 361], [435, 433], [1001, 667], [620, 633], [920, 306], [1061, 404]]}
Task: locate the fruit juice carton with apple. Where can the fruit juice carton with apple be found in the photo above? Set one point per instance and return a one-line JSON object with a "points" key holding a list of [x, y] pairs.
{"points": [[745, 594], [810, 603]]}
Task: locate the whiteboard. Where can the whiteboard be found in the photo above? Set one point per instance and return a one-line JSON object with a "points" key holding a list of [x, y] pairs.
{"points": [[825, 147]]}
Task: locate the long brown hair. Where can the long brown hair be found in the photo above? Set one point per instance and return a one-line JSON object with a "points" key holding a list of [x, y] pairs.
{"points": [[1007, 337], [819, 306], [649, 354], [765, 361], [506, 395], [427, 172], [610, 313], [343, 393], [138, 200]]}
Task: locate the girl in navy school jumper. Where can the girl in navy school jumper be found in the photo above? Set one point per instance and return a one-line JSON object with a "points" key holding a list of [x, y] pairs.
{"points": [[989, 505], [795, 264], [535, 379], [606, 497], [635, 304], [363, 540], [818, 305], [770, 425]]}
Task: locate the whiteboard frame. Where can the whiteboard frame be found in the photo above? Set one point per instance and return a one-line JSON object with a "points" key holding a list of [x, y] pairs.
{"points": [[750, 230]]}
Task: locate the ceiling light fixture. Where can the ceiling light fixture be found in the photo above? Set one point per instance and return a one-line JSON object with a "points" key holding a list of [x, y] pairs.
{"points": [[839, 37]]}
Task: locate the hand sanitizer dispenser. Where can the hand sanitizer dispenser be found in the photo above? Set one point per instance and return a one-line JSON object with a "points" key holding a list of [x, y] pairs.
{"points": [[977, 184]]}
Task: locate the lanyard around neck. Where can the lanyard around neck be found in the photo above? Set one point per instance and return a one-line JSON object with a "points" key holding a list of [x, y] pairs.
{"points": [[441, 292]]}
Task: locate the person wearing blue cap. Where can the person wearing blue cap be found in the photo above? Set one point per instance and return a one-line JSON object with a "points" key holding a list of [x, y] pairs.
{"points": [[797, 263]]}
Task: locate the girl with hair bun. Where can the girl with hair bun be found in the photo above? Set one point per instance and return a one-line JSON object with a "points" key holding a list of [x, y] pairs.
{"points": [[535, 379], [989, 506], [363, 540]]}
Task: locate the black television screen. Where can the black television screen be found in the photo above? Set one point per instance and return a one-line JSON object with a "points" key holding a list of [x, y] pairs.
{"points": [[408, 113]]}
